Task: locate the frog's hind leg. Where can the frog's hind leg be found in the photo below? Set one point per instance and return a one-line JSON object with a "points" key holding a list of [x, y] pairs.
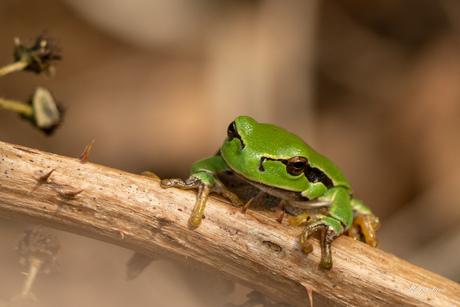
{"points": [[364, 222]]}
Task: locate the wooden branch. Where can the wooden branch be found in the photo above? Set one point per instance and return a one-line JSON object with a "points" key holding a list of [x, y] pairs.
{"points": [[132, 211]]}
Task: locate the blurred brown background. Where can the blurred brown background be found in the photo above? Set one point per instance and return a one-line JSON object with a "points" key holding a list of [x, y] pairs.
{"points": [[373, 85]]}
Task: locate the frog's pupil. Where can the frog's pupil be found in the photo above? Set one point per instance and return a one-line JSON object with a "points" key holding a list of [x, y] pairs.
{"points": [[231, 128], [298, 165]]}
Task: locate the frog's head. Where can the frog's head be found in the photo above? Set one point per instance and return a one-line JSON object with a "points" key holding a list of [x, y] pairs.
{"points": [[266, 153]]}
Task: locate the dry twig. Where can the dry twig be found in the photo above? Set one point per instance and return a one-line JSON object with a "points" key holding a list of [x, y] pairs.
{"points": [[134, 212]]}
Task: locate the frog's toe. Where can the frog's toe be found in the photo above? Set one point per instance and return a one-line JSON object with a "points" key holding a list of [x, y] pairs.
{"points": [[201, 199], [166, 183], [307, 248], [195, 219], [368, 224], [189, 183], [300, 219], [173, 182], [326, 263], [328, 235], [353, 232]]}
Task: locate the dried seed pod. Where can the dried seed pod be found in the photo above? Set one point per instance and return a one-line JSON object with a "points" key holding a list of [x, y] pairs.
{"points": [[37, 250], [39, 56]]}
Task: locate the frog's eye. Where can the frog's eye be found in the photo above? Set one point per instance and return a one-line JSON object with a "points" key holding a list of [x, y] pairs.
{"points": [[296, 165], [232, 132]]}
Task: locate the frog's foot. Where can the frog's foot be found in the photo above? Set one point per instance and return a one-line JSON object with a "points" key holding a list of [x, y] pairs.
{"points": [[302, 218], [330, 230], [190, 183], [205, 184], [368, 224]]}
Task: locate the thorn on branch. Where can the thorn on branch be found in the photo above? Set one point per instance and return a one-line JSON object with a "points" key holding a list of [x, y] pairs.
{"points": [[66, 191], [44, 178], [84, 156], [246, 206], [279, 209], [121, 232]]}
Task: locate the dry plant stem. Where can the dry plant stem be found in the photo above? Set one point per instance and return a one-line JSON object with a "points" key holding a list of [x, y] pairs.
{"points": [[17, 106], [35, 266], [16, 66], [132, 211]]}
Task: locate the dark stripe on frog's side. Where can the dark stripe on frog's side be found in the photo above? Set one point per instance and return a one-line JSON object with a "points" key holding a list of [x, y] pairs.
{"points": [[312, 174]]}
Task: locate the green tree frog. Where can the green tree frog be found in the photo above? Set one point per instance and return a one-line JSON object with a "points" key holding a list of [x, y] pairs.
{"points": [[280, 164]]}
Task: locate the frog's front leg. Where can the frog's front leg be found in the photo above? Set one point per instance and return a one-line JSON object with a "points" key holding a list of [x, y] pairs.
{"points": [[203, 176], [331, 226]]}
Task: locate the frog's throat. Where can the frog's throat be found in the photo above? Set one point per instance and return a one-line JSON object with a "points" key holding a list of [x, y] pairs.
{"points": [[275, 191]]}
